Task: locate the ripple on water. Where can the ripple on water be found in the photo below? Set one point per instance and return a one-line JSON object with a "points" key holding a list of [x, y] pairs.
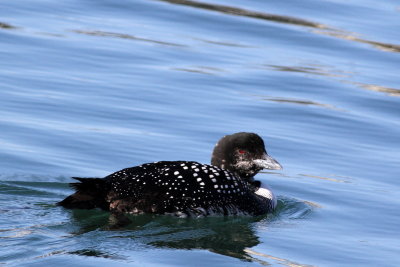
{"points": [[290, 208]]}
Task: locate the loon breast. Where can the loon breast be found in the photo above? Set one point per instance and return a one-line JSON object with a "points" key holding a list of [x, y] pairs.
{"points": [[266, 192]]}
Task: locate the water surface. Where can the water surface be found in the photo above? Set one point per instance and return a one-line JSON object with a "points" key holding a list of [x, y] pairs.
{"points": [[88, 88]]}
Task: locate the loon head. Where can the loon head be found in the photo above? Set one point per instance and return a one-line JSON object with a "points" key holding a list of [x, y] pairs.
{"points": [[243, 154]]}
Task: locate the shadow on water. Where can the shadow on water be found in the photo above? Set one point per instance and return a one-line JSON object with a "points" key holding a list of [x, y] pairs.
{"points": [[341, 76], [229, 236], [223, 235], [300, 102], [313, 69], [247, 13], [124, 36], [379, 88], [7, 26]]}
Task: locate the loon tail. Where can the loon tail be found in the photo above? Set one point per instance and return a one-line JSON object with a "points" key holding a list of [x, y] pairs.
{"points": [[90, 193]]}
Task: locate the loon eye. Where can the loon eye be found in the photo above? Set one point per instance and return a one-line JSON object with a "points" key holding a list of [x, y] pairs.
{"points": [[242, 151]]}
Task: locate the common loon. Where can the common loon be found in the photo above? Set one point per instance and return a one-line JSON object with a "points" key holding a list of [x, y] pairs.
{"points": [[186, 188]]}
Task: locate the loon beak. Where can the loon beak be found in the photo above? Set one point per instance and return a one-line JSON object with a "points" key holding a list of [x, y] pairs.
{"points": [[268, 162]]}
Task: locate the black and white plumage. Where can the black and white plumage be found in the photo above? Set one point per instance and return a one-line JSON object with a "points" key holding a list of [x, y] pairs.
{"points": [[186, 188]]}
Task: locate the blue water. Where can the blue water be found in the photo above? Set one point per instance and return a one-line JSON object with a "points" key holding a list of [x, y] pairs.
{"points": [[91, 87]]}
